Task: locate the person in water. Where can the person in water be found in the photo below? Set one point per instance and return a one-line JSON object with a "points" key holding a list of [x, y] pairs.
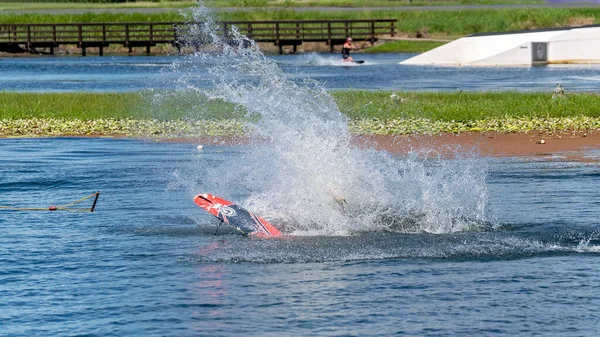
{"points": [[346, 50]]}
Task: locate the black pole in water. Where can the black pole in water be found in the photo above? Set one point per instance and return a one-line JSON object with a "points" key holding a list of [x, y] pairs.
{"points": [[217, 230], [95, 200]]}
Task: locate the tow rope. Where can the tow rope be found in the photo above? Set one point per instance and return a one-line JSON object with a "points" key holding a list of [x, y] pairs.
{"points": [[65, 207]]}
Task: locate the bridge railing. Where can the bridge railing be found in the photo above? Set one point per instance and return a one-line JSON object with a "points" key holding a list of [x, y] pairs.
{"points": [[281, 33], [78, 33]]}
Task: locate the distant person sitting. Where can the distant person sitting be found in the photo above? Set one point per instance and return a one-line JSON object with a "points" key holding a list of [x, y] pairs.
{"points": [[346, 50]]}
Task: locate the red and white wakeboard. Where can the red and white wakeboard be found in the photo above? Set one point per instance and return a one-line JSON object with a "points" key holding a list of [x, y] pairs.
{"points": [[243, 220]]}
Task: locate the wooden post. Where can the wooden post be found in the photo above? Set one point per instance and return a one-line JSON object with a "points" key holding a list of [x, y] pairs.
{"points": [[28, 36], [101, 49], [127, 38], [80, 37], [329, 37], [151, 33], [372, 32], [175, 41], [277, 38]]}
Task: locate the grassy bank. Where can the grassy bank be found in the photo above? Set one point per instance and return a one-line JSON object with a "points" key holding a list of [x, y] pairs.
{"points": [[367, 3], [443, 23], [185, 115], [421, 23], [425, 23], [406, 46], [91, 106], [57, 4], [463, 106]]}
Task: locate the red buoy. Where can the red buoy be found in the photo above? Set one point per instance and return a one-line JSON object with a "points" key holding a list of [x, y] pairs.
{"points": [[52, 208]]}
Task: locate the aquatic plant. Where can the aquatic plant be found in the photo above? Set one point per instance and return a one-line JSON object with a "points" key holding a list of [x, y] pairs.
{"points": [[368, 112], [185, 128], [146, 128], [504, 124]]}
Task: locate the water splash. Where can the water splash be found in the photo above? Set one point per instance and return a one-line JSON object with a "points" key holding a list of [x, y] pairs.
{"points": [[315, 59], [301, 170]]}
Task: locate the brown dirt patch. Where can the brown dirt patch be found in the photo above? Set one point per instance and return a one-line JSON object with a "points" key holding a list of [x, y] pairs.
{"points": [[577, 22], [569, 145]]}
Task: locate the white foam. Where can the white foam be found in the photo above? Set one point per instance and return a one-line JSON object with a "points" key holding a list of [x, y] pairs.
{"points": [[302, 159]]}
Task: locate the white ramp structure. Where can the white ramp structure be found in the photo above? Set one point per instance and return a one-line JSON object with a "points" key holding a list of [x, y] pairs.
{"points": [[551, 46]]}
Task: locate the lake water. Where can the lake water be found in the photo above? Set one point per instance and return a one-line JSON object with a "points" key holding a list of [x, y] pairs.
{"points": [[424, 245], [380, 72], [148, 262]]}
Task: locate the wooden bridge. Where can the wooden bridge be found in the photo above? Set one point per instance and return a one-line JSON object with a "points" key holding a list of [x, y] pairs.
{"points": [[30, 37]]}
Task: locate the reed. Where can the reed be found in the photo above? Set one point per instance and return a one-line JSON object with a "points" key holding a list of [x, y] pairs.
{"points": [[169, 105], [67, 105], [463, 106], [148, 104], [171, 113]]}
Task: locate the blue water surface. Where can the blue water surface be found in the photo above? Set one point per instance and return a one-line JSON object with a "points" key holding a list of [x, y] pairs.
{"points": [[148, 262], [379, 72]]}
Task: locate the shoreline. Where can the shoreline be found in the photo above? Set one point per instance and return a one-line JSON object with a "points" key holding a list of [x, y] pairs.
{"points": [[568, 145], [571, 146], [164, 49]]}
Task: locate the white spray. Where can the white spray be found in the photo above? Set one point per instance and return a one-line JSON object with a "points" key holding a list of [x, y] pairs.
{"points": [[301, 171]]}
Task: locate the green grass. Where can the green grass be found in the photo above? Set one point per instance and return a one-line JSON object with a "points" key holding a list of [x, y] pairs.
{"points": [[141, 114], [362, 3], [356, 104], [68, 105], [463, 106], [14, 5], [442, 23], [179, 114], [404, 47], [90, 106], [57, 4], [89, 17], [426, 23]]}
